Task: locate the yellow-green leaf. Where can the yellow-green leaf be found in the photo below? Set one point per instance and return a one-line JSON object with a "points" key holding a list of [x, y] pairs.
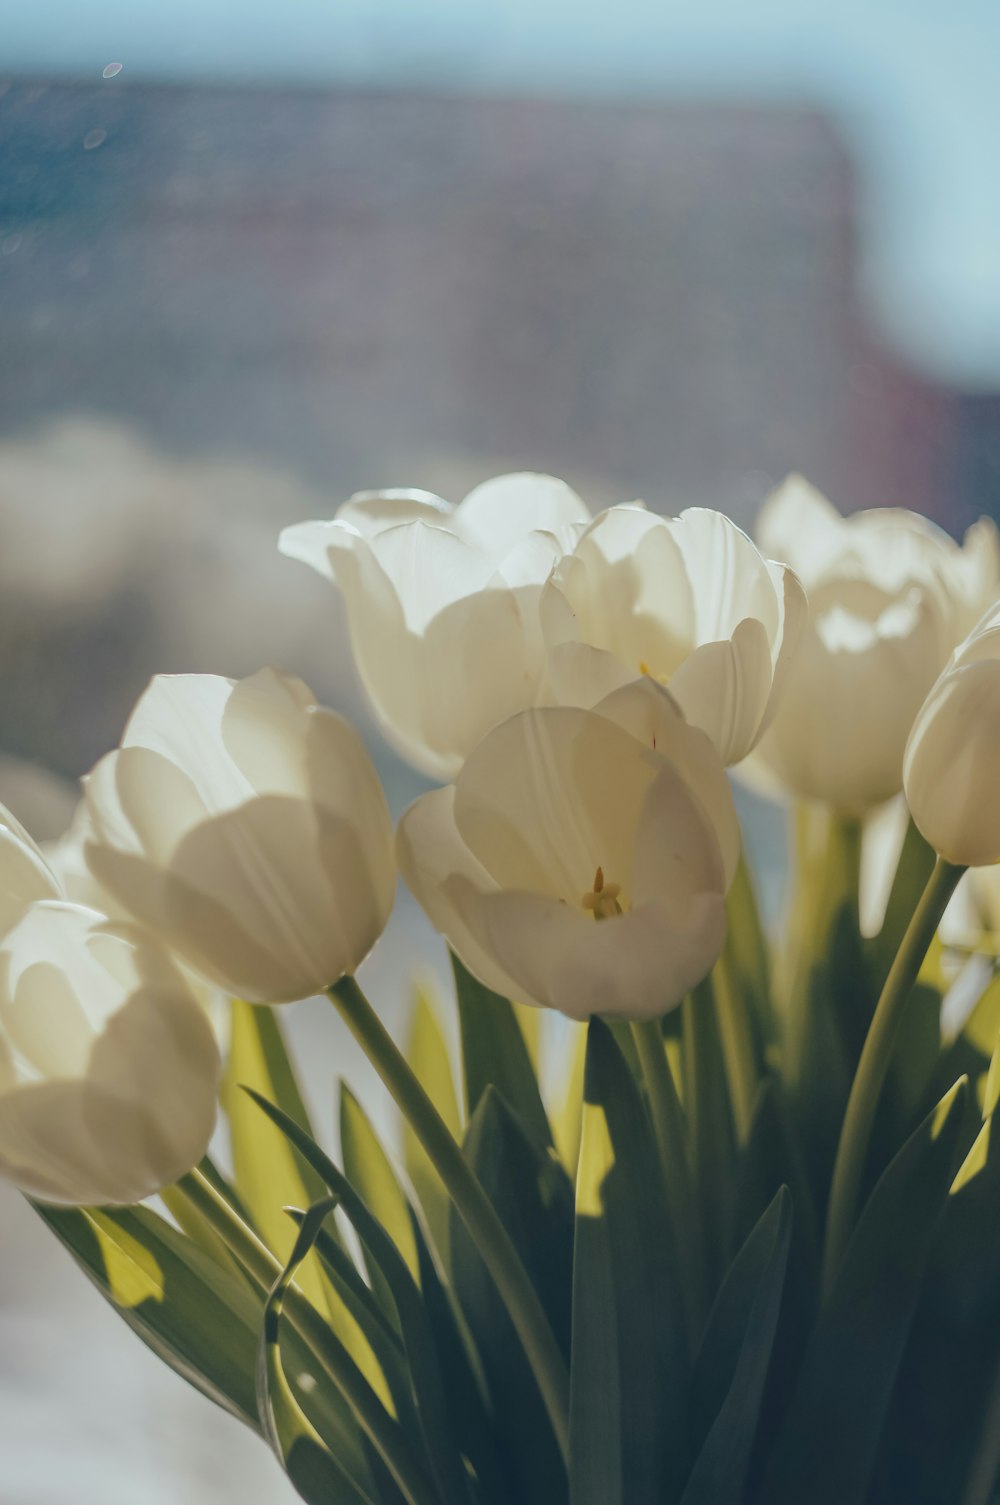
{"points": [[427, 1053]]}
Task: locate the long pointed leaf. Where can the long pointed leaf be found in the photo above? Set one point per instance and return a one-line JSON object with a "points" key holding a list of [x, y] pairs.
{"points": [[531, 1194], [307, 1461], [827, 1444], [427, 1053], [494, 1053], [732, 1366], [369, 1170], [629, 1381], [268, 1176], [429, 1396], [196, 1317]]}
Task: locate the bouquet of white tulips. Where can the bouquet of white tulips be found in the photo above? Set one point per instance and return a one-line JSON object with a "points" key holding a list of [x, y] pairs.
{"points": [[740, 1243]]}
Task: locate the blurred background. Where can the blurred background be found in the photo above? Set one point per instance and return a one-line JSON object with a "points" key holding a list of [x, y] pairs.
{"points": [[254, 257]]}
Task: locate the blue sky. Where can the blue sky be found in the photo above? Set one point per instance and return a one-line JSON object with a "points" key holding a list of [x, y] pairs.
{"points": [[914, 83]]}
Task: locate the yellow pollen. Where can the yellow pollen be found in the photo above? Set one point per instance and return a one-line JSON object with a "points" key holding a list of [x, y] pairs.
{"points": [[644, 669], [603, 898]]}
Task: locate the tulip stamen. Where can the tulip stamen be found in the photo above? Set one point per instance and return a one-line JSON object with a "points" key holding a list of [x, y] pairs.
{"points": [[603, 898], [648, 673]]}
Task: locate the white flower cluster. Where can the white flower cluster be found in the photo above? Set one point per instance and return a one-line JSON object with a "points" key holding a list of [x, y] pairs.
{"points": [[579, 686]]}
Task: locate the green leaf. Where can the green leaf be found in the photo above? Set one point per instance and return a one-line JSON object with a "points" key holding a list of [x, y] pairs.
{"points": [[386, 1370], [267, 1174], [196, 1317], [771, 1159], [567, 1123], [464, 1386], [427, 1053], [529, 1019], [710, 1124], [370, 1172], [941, 1432], [732, 1367], [629, 1384], [384, 1256], [748, 946], [532, 1195], [826, 1448], [270, 1176], [306, 1459], [828, 993], [494, 1053], [428, 1390]]}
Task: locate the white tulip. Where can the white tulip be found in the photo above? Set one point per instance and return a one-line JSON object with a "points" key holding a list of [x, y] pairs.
{"points": [[582, 858], [442, 604], [109, 1070], [67, 861], [950, 765], [685, 600], [247, 827], [890, 594], [25, 875]]}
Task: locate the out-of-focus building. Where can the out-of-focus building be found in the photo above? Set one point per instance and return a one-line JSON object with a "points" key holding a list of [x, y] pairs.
{"points": [[360, 289]]}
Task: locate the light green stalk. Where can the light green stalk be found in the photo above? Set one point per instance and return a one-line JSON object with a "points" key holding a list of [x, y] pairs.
{"points": [[329, 1354], [875, 1057], [670, 1130], [473, 1205]]}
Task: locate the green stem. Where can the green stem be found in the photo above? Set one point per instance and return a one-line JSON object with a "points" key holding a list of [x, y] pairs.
{"points": [[709, 1124], [739, 1049], [330, 1354], [750, 949], [247, 1249], [874, 1062], [471, 1202], [671, 1138], [827, 872]]}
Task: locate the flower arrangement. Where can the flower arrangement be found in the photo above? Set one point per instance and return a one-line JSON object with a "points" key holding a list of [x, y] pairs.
{"points": [[744, 1248]]}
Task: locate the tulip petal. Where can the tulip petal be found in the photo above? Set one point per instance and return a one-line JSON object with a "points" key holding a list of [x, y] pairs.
{"points": [[799, 527], [627, 585], [24, 873], [650, 713], [583, 675], [950, 766], [439, 686], [724, 688], [499, 513], [372, 512], [551, 795], [430, 852], [847, 711], [636, 965], [794, 622], [181, 717], [110, 1085], [729, 579], [677, 856]]}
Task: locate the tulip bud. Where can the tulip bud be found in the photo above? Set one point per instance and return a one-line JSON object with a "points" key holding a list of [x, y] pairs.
{"points": [[442, 604], [582, 858], [951, 760], [889, 597], [109, 1070], [247, 826], [687, 601]]}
